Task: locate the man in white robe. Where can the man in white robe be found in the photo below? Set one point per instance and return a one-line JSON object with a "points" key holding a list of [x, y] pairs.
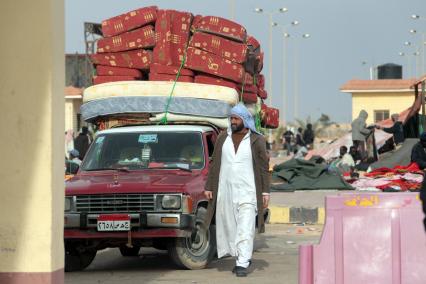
{"points": [[237, 195]]}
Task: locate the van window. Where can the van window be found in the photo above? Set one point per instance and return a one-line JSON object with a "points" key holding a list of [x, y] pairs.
{"points": [[146, 150]]}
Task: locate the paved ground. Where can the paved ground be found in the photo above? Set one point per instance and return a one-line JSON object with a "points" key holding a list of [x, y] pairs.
{"points": [[274, 261]]}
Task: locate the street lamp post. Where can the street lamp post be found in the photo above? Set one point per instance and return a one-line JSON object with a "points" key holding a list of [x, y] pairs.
{"points": [[232, 9], [286, 36], [296, 75], [415, 54], [417, 59], [423, 43], [271, 25], [402, 54], [371, 69]]}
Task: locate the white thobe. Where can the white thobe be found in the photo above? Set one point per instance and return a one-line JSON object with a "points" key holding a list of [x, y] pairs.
{"points": [[236, 202], [347, 160]]}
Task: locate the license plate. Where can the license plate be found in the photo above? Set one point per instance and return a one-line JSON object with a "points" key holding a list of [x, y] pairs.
{"points": [[113, 222]]}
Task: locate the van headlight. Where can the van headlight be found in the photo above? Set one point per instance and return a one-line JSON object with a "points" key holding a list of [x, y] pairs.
{"points": [[171, 202], [69, 203]]}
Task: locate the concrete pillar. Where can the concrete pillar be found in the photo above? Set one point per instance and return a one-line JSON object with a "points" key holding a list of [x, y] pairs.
{"points": [[32, 141]]}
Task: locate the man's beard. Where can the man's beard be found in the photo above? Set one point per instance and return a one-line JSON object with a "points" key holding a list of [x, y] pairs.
{"points": [[237, 127]]}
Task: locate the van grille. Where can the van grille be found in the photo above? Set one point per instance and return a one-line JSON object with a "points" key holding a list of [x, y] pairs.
{"points": [[115, 203]]}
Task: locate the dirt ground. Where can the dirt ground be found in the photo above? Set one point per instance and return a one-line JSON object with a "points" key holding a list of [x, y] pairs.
{"points": [[275, 261]]}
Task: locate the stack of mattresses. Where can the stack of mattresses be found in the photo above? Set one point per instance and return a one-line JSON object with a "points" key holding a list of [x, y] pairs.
{"points": [[129, 102], [125, 51], [150, 44]]}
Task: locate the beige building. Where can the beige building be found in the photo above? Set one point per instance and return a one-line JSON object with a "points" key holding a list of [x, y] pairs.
{"points": [[32, 176], [73, 102], [78, 75], [380, 98]]}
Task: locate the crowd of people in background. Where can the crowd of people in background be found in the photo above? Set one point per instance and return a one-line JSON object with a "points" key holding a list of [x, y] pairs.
{"points": [[76, 148], [296, 144], [360, 134], [299, 144], [359, 155]]}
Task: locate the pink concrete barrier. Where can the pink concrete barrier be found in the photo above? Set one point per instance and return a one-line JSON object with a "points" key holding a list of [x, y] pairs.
{"points": [[368, 238]]}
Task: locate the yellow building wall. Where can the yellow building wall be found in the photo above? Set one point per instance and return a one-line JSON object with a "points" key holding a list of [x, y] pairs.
{"points": [[72, 108], [69, 114], [77, 105], [394, 102], [32, 174]]}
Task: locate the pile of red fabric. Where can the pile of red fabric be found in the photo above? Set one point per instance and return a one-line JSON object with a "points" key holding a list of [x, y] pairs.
{"points": [[399, 178], [153, 44], [380, 172]]}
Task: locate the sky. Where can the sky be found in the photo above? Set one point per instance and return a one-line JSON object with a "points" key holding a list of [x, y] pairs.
{"points": [[344, 34]]}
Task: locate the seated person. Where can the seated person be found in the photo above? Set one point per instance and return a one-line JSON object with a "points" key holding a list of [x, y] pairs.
{"points": [[301, 153], [387, 147], [345, 162], [74, 156], [130, 155], [356, 156], [193, 154], [73, 163], [71, 168], [418, 153]]}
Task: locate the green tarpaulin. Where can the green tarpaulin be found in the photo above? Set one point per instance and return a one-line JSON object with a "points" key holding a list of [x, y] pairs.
{"points": [[399, 157], [297, 174]]}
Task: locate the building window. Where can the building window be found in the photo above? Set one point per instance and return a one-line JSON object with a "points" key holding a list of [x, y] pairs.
{"points": [[78, 121], [380, 115]]}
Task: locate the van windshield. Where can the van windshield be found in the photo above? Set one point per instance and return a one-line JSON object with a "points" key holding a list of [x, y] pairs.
{"points": [[144, 150]]}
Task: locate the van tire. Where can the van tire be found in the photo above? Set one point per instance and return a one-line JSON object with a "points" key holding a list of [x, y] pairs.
{"points": [[76, 260], [196, 251]]}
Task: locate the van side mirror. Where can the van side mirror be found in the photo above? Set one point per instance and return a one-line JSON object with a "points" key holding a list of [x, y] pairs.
{"points": [[71, 168]]}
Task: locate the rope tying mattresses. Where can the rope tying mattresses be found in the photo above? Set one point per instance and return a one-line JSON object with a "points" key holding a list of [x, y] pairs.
{"points": [[257, 119], [257, 110], [242, 88], [169, 100]]}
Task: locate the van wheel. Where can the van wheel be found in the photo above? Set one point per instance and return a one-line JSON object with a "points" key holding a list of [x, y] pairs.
{"points": [[76, 260], [133, 251], [196, 251]]}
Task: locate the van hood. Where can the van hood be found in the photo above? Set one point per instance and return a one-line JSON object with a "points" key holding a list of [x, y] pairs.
{"points": [[145, 181]]}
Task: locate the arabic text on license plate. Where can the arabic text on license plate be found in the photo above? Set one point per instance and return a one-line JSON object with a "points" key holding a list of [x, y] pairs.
{"points": [[113, 223]]}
